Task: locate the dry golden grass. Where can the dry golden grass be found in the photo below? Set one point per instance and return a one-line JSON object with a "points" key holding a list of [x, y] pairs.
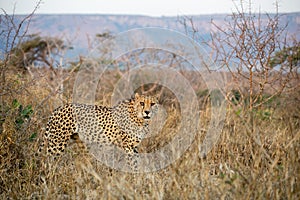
{"points": [[259, 164]]}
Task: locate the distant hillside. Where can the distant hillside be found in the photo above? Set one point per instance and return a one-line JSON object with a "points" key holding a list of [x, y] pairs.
{"points": [[80, 30]]}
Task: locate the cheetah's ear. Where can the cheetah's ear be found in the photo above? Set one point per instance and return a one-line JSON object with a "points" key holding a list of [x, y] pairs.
{"points": [[136, 96]]}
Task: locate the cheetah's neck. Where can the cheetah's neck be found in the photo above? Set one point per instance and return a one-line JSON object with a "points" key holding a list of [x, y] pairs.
{"points": [[124, 110]]}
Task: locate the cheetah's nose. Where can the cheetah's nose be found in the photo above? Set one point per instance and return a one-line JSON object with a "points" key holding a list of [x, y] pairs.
{"points": [[147, 112]]}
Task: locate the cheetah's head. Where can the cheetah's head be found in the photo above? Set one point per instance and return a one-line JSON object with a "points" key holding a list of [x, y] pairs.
{"points": [[145, 106]]}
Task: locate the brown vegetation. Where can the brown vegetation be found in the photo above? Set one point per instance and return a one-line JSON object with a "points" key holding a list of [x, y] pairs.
{"points": [[262, 164]]}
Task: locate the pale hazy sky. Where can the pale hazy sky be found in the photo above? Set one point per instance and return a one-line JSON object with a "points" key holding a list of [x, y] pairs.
{"points": [[144, 7]]}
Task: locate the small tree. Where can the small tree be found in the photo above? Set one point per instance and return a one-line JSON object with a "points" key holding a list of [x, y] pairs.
{"points": [[249, 45], [36, 50], [245, 46]]}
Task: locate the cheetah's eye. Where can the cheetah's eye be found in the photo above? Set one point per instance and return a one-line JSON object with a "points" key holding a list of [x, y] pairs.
{"points": [[142, 103], [152, 104]]}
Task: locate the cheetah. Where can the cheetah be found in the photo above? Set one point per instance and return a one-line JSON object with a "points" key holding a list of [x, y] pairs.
{"points": [[124, 125]]}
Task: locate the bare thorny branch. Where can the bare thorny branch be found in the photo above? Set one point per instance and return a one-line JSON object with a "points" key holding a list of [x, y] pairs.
{"points": [[245, 44], [14, 31]]}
